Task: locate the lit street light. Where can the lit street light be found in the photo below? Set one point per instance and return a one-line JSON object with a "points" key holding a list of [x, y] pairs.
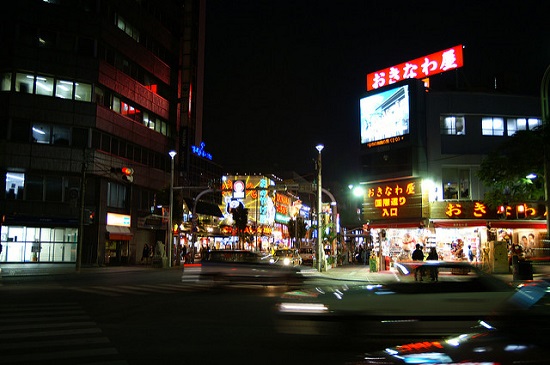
{"points": [[320, 252], [169, 233]]}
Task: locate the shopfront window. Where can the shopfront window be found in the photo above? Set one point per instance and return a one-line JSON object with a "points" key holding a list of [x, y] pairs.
{"points": [[38, 244]]}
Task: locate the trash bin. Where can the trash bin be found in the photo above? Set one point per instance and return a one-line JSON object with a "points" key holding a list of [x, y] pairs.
{"points": [[523, 270]]}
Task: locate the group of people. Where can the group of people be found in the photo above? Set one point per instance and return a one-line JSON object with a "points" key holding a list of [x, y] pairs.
{"points": [[418, 255]]}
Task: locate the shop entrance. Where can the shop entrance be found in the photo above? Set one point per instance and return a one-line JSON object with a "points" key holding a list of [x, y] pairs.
{"points": [[116, 252]]}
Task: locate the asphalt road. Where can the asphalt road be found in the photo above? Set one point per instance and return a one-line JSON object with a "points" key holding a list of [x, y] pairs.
{"points": [[152, 317]]}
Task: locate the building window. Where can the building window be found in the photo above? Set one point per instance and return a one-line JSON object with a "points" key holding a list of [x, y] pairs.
{"points": [[53, 188], [456, 183], [24, 83], [452, 125], [116, 195], [492, 126], [15, 184], [44, 85], [47, 134], [123, 25], [64, 89], [5, 81]]}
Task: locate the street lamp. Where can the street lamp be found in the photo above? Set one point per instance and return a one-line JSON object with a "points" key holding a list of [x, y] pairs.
{"points": [[170, 235], [320, 252]]}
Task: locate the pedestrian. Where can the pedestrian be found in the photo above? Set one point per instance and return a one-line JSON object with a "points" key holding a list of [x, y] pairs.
{"points": [[470, 254], [433, 256], [184, 254], [418, 255], [145, 254]]}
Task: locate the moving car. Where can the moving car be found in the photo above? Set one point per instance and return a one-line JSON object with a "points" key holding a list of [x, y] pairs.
{"points": [[286, 257], [306, 253], [245, 267], [454, 302], [485, 345]]}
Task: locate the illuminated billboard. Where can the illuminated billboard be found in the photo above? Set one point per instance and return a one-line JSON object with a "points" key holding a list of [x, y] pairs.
{"points": [[385, 116], [420, 68]]}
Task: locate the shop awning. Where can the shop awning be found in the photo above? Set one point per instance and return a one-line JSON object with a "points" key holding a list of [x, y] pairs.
{"points": [[117, 233], [458, 223], [415, 223], [538, 224], [204, 208]]}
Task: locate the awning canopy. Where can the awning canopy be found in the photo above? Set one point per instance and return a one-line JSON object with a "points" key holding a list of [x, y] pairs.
{"points": [[117, 233], [203, 208], [404, 223], [535, 224], [459, 223]]}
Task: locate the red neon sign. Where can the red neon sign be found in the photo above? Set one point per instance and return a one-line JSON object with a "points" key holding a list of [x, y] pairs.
{"points": [[419, 68]]}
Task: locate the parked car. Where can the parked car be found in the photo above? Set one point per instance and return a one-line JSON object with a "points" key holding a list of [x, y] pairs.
{"points": [[241, 266], [286, 257], [460, 297], [306, 253]]}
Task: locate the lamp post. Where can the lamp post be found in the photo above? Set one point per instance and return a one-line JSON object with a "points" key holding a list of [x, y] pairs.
{"points": [[169, 233], [320, 252]]}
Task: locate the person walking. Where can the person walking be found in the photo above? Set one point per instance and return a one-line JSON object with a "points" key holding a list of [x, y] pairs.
{"points": [[433, 256], [145, 254], [418, 255]]}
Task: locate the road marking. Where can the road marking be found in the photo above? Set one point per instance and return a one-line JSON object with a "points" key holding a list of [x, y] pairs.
{"points": [[44, 333]]}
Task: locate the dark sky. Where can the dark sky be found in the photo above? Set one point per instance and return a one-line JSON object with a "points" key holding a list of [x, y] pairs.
{"points": [[283, 76]]}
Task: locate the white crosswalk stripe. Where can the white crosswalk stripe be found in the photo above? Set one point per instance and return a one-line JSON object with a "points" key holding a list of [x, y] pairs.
{"points": [[60, 333], [138, 289]]}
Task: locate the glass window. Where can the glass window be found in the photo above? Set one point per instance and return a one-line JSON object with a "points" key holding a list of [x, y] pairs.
{"points": [[79, 137], [456, 183], [116, 195], [83, 92], [54, 188], [534, 123], [492, 126], [116, 106], [61, 135], [452, 125], [24, 83], [44, 85], [41, 133], [34, 187], [515, 124], [64, 89], [15, 183], [5, 81]]}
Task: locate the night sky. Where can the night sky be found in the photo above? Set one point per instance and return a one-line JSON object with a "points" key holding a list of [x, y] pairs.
{"points": [[283, 76]]}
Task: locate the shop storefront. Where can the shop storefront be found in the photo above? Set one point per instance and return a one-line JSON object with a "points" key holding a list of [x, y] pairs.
{"points": [[30, 240]]}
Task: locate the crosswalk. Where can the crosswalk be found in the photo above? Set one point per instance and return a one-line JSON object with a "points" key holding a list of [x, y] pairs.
{"points": [[139, 289], [57, 333]]}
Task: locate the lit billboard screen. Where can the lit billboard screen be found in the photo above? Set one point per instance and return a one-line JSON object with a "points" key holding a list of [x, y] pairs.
{"points": [[385, 116]]}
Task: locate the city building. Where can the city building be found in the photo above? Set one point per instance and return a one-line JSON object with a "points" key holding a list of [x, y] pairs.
{"points": [[421, 151], [94, 95]]}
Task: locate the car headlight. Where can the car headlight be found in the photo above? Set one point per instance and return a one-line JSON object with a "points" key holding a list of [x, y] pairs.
{"points": [[286, 261], [302, 308]]}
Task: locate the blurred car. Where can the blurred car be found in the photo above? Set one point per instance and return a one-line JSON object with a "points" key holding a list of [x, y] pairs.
{"points": [[306, 253], [460, 297], [485, 345], [241, 266], [286, 257]]}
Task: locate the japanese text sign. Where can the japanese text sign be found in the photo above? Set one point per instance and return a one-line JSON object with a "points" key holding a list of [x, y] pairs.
{"points": [[419, 68]]}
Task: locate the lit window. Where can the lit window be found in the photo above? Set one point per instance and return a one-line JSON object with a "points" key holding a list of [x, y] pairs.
{"points": [[24, 83], [83, 92], [15, 183], [5, 82], [44, 85], [64, 89], [492, 126], [452, 125]]}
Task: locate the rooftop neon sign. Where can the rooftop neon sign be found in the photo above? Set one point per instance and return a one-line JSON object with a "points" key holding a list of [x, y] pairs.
{"points": [[419, 68]]}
